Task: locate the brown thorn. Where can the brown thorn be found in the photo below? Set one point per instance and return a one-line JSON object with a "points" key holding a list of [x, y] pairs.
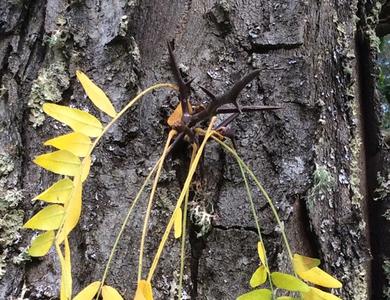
{"points": [[229, 110]]}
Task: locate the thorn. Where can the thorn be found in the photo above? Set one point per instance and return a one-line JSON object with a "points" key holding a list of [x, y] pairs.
{"points": [[184, 86], [207, 92], [177, 139], [188, 82], [231, 95], [237, 105], [227, 121], [227, 132], [233, 139], [229, 110]]}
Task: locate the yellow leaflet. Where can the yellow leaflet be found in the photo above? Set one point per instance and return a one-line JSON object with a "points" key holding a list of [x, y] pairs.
{"points": [[59, 192], [72, 211], [41, 244], [289, 282], [258, 277], [263, 294], [316, 294], [320, 277], [96, 94], [144, 291], [63, 295], [286, 298], [177, 114], [109, 293], [89, 292], [61, 162], [75, 142], [85, 167], [303, 263], [48, 218], [78, 120], [177, 225], [261, 252], [66, 273]]}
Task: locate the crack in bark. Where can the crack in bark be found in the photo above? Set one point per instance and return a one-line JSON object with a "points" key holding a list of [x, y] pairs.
{"points": [[210, 179], [266, 48], [369, 106]]}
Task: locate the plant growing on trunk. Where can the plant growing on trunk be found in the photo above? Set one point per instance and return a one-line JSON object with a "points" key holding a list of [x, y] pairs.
{"points": [[195, 125]]}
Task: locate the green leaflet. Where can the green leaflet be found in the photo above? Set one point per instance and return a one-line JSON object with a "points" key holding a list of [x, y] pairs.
{"points": [[258, 277], [263, 294], [289, 282]]}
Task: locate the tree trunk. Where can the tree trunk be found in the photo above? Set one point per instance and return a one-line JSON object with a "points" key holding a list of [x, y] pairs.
{"points": [[314, 156]]}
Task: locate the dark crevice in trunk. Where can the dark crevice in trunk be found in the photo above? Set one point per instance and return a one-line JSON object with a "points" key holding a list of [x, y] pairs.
{"points": [[308, 236], [4, 67], [369, 117], [35, 51], [198, 244], [182, 153], [263, 49], [206, 176]]}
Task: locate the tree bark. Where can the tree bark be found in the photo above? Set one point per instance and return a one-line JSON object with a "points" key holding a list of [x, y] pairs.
{"points": [[311, 155]]}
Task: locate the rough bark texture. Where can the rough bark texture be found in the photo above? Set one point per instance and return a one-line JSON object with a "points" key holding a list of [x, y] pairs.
{"points": [[309, 155]]}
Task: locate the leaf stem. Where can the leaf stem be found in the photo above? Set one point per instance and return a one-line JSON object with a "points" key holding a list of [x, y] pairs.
{"points": [[180, 200], [171, 134], [249, 193], [128, 106], [124, 223], [262, 190], [183, 237]]}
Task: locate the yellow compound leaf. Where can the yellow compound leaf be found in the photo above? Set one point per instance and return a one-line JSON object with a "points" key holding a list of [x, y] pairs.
{"points": [[72, 211], [85, 167], [320, 277], [75, 142], [286, 298], [78, 120], [109, 293], [289, 282], [303, 263], [89, 292], [144, 291], [96, 94], [41, 244], [60, 162], [263, 294], [316, 294], [177, 225], [258, 277], [261, 252], [48, 218], [59, 192]]}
